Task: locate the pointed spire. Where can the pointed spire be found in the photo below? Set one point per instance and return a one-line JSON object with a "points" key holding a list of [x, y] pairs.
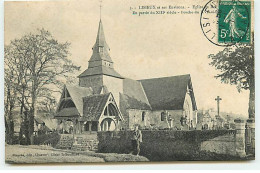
{"points": [[100, 48], [101, 41], [100, 62]]}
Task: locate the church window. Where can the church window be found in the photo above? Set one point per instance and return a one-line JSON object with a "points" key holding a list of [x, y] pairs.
{"points": [[143, 115], [162, 116]]}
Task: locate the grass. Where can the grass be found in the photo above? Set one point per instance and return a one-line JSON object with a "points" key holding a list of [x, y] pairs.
{"points": [[46, 154]]}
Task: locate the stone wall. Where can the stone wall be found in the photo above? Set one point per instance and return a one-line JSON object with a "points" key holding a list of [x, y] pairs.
{"points": [[224, 144], [86, 141], [250, 137], [153, 118], [166, 144], [95, 82]]}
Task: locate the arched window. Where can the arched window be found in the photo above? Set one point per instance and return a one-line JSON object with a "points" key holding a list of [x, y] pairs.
{"points": [[110, 110], [143, 115], [162, 116], [108, 124]]}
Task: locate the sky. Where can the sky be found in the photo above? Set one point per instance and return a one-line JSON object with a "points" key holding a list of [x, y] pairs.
{"points": [[147, 46]]}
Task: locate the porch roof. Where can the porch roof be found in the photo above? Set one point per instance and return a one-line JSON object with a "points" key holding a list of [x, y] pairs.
{"points": [[68, 112], [93, 106]]}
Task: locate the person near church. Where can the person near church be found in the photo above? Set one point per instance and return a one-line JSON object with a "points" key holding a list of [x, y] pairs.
{"points": [[136, 140]]}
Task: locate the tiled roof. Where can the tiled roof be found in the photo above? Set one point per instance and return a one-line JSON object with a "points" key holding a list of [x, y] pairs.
{"points": [[40, 121], [167, 93], [68, 112], [94, 105], [100, 56], [100, 70], [100, 42], [133, 95], [127, 102], [77, 93]]}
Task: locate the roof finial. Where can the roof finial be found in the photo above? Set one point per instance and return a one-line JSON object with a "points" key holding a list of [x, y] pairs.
{"points": [[100, 6]]}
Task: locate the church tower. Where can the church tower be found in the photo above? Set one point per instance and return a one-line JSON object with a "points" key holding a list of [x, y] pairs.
{"points": [[100, 74]]}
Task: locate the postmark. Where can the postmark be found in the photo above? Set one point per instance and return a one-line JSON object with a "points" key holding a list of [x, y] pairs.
{"points": [[225, 23]]}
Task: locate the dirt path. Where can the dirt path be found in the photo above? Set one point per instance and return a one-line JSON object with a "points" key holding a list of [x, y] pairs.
{"points": [[46, 154], [29, 154]]}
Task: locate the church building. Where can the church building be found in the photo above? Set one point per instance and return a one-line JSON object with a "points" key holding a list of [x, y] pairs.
{"points": [[106, 101]]}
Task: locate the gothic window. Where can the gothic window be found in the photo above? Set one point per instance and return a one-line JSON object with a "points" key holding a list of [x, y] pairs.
{"points": [[143, 115], [162, 116]]}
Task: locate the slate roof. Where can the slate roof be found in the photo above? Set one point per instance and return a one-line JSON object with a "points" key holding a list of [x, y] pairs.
{"points": [[98, 55], [100, 70], [94, 105], [100, 42], [68, 112], [133, 95], [167, 93], [40, 121], [77, 93], [127, 102]]}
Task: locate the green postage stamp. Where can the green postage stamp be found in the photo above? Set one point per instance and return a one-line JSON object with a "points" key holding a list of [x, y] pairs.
{"points": [[234, 21]]}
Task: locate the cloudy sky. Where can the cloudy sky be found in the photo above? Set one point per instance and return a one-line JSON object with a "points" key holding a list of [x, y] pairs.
{"points": [[142, 47]]}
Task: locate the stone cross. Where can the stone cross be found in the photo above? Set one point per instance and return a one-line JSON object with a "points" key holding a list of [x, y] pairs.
{"points": [[218, 100]]}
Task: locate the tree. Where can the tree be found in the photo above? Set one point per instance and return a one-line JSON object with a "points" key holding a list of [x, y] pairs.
{"points": [[41, 65], [16, 80], [10, 101], [236, 66]]}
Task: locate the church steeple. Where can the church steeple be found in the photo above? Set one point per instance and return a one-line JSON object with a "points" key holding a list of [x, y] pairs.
{"points": [[100, 74], [100, 49], [100, 62], [101, 41]]}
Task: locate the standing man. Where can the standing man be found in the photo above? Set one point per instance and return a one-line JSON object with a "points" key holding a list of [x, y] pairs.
{"points": [[136, 140]]}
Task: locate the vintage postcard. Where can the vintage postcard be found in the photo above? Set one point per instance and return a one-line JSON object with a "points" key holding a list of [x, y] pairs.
{"points": [[129, 81]]}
